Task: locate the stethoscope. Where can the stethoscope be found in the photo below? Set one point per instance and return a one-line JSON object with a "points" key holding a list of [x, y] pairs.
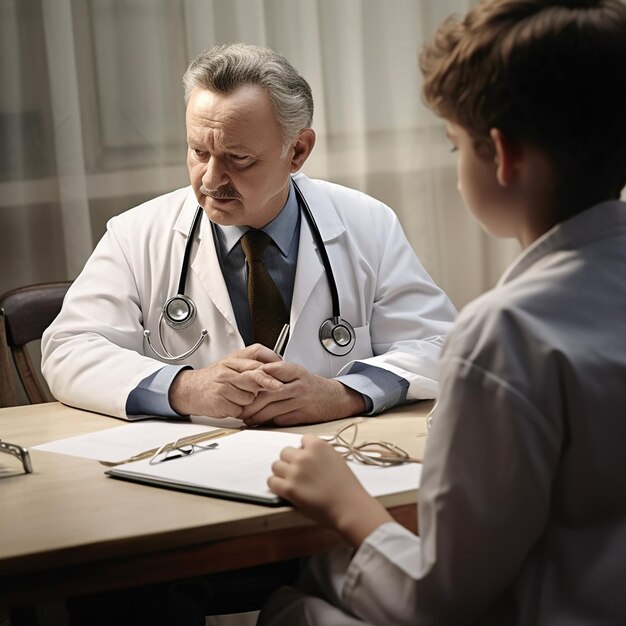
{"points": [[335, 334]]}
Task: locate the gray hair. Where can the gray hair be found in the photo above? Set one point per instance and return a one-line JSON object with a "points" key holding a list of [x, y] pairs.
{"points": [[224, 68]]}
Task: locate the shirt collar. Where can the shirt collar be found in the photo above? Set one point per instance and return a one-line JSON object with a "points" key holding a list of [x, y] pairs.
{"points": [[607, 219], [281, 229]]}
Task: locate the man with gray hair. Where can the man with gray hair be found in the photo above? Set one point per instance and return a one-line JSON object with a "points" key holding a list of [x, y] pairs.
{"points": [[179, 308]]}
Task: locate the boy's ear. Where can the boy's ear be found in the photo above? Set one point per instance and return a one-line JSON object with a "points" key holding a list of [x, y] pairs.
{"points": [[507, 157]]}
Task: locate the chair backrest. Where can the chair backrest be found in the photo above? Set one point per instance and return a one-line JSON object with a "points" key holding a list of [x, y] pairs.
{"points": [[24, 314]]}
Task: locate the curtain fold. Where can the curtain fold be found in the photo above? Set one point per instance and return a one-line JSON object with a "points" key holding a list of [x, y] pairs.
{"points": [[92, 120], [67, 135]]}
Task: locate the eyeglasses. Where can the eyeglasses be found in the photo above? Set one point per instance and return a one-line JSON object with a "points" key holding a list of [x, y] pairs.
{"points": [[380, 453], [19, 453], [430, 417]]}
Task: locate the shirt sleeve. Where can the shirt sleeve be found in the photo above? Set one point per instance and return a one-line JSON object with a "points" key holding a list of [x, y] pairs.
{"points": [[151, 395], [380, 388], [483, 501], [379, 584]]}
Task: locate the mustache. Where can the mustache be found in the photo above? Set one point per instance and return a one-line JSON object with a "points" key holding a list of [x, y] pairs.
{"points": [[222, 193]]}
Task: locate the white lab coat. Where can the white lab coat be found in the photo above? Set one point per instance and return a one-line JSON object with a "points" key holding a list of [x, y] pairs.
{"points": [[94, 354]]}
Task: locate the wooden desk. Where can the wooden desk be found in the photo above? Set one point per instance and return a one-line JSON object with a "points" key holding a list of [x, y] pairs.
{"points": [[68, 529]]}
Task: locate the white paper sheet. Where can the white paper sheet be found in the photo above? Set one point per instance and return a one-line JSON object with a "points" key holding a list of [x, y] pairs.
{"points": [[122, 442], [241, 464]]}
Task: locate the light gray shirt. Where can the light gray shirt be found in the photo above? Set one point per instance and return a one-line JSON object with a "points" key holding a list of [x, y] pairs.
{"points": [[522, 508]]}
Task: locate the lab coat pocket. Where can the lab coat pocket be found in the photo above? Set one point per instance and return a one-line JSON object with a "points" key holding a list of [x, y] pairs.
{"points": [[362, 350]]}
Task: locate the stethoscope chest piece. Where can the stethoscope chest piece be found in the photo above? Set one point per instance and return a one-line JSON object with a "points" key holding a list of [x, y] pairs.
{"points": [[337, 336], [179, 312]]}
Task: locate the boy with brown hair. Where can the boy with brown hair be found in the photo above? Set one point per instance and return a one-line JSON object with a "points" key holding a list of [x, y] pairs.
{"points": [[522, 511]]}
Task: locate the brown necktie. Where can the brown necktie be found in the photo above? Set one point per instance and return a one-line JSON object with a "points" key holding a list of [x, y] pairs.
{"points": [[267, 307]]}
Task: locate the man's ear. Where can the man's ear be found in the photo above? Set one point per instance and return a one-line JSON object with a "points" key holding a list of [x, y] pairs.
{"points": [[507, 157], [302, 148]]}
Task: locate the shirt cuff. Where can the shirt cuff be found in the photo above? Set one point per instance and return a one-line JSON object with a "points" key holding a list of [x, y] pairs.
{"points": [[151, 395], [380, 388], [390, 542]]}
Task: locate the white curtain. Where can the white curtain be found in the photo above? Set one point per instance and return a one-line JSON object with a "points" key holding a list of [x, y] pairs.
{"points": [[92, 120]]}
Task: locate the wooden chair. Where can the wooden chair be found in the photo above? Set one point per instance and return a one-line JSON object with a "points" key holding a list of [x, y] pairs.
{"points": [[24, 314]]}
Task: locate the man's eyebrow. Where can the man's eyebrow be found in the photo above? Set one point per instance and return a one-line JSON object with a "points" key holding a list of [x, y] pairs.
{"points": [[238, 148]]}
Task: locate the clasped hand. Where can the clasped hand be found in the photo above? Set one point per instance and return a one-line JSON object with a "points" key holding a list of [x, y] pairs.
{"points": [[258, 387]]}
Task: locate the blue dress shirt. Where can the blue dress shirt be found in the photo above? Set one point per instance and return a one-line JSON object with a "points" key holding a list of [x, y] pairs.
{"points": [[281, 258], [380, 388]]}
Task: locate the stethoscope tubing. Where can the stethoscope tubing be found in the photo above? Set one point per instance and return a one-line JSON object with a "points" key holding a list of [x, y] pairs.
{"points": [[330, 276], [192, 231]]}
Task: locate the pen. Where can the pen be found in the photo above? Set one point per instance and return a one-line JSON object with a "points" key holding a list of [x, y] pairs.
{"points": [[281, 342], [190, 440]]}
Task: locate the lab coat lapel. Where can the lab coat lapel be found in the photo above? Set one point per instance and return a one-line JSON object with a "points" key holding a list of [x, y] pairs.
{"points": [[308, 272], [310, 269], [207, 267], [205, 264]]}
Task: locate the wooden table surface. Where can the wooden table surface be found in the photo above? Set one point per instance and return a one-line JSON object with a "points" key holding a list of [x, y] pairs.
{"points": [[67, 528]]}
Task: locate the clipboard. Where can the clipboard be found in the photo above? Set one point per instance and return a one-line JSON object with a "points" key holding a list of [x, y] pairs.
{"points": [[251, 498], [236, 469], [239, 466]]}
